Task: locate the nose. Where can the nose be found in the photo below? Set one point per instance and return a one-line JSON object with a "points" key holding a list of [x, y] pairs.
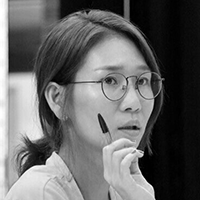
{"points": [[131, 101]]}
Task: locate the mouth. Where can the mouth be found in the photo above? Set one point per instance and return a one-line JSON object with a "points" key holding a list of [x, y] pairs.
{"points": [[131, 131], [134, 128]]}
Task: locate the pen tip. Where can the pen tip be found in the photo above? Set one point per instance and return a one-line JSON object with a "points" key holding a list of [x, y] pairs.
{"points": [[99, 117], [102, 123]]}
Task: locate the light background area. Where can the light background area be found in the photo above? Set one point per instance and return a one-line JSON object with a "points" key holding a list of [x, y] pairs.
{"points": [[23, 118], [3, 93], [18, 103]]}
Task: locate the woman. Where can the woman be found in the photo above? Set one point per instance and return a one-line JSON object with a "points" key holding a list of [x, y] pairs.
{"points": [[93, 65]]}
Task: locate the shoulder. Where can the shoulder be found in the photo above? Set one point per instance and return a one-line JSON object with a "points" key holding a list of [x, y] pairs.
{"points": [[39, 182]]}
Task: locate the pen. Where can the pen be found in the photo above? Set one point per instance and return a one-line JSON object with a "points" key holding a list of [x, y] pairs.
{"points": [[104, 127]]}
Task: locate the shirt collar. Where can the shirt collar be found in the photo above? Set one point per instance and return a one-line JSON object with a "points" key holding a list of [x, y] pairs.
{"points": [[56, 160]]}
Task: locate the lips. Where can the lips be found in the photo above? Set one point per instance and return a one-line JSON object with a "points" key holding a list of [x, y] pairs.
{"points": [[131, 126]]}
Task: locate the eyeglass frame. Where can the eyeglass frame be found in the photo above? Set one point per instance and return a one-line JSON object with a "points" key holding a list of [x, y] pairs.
{"points": [[127, 82]]}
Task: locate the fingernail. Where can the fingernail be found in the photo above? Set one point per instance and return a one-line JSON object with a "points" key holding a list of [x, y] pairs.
{"points": [[134, 151], [140, 151]]}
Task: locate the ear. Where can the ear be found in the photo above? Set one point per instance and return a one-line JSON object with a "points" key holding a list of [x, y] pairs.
{"points": [[54, 96]]}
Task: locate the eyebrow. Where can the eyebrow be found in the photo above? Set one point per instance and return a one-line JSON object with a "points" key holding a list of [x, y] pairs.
{"points": [[120, 67]]}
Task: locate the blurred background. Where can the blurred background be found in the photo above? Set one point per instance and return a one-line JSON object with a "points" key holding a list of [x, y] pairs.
{"points": [[173, 29]]}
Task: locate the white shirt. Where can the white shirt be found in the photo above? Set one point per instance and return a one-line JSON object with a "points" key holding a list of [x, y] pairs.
{"points": [[52, 181]]}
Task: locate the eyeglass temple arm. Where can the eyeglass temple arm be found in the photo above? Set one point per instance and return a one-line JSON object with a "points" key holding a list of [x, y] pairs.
{"points": [[77, 82]]}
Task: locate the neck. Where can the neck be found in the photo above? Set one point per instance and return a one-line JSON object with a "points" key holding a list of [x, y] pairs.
{"points": [[87, 168], [91, 186]]}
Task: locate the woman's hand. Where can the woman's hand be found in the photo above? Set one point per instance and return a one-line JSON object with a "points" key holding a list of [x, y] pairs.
{"points": [[121, 171]]}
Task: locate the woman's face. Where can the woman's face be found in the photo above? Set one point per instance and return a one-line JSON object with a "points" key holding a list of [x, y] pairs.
{"points": [[114, 54]]}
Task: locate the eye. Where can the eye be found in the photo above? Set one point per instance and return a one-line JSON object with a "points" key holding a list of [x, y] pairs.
{"points": [[111, 80], [143, 81]]}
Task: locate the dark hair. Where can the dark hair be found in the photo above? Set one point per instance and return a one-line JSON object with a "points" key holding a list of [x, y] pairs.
{"points": [[60, 57]]}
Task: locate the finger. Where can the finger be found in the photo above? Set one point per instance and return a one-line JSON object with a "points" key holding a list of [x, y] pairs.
{"points": [[138, 153], [116, 145], [130, 163], [134, 168], [119, 155], [111, 163], [126, 164]]}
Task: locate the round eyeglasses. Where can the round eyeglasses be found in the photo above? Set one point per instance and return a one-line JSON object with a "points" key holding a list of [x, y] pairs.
{"points": [[115, 85]]}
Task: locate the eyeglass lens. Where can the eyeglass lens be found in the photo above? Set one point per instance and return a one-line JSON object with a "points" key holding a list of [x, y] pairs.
{"points": [[115, 85]]}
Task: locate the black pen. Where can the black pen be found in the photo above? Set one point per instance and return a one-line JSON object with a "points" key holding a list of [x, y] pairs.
{"points": [[104, 127]]}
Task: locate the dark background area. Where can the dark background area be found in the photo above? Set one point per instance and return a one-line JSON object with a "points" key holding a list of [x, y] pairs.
{"points": [[173, 29]]}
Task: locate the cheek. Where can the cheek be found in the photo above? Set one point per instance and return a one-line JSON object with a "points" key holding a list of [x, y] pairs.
{"points": [[87, 103], [147, 109], [87, 99]]}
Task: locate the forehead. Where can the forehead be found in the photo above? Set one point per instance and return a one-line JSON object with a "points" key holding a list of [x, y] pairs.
{"points": [[112, 54]]}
